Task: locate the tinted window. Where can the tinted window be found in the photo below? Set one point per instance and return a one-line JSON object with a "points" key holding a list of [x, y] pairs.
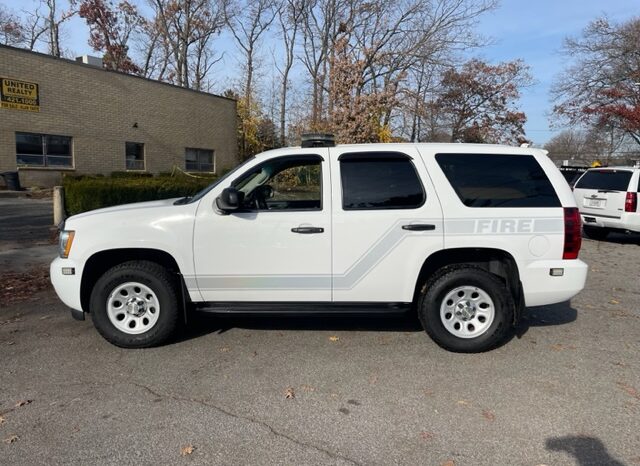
{"points": [[487, 180], [43, 150], [134, 156], [613, 180], [199, 160], [379, 181]]}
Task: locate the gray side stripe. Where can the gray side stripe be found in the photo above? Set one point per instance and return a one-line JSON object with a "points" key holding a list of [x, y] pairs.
{"points": [[356, 272], [376, 253]]}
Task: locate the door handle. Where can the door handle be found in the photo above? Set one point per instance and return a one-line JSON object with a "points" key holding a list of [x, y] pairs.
{"points": [[419, 227], [307, 230]]}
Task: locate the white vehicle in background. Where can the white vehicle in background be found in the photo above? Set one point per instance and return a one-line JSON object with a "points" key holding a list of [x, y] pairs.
{"points": [[608, 200], [467, 235]]}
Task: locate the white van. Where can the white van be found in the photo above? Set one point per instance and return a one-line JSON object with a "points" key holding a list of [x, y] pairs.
{"points": [[608, 200]]}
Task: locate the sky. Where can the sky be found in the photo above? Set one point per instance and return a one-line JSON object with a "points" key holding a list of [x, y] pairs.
{"points": [[532, 30]]}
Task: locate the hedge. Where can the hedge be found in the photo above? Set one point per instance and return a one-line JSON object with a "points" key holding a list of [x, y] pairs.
{"points": [[89, 193]]}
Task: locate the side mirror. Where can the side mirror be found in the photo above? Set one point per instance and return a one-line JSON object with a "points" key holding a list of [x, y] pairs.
{"points": [[229, 200]]}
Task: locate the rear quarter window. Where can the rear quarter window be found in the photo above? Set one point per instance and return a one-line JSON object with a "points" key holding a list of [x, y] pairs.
{"points": [[492, 180], [610, 180]]}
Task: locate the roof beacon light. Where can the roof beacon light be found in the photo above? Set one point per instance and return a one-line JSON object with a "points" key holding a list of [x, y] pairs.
{"points": [[318, 140]]}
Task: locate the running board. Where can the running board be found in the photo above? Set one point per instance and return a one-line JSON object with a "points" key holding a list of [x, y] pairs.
{"points": [[249, 307]]}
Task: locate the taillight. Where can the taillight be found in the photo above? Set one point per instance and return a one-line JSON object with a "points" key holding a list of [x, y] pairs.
{"points": [[572, 233], [631, 202]]}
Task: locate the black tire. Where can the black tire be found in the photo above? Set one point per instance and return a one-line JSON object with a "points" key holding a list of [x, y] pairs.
{"points": [[596, 233], [448, 279], [156, 278]]}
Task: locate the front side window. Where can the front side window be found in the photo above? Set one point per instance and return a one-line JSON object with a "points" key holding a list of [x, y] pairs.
{"points": [[284, 183], [379, 180], [491, 180], [134, 156], [43, 150], [199, 160], [609, 180]]}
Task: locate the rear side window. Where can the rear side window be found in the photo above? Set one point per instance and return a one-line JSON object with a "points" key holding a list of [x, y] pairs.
{"points": [[490, 180], [379, 180], [610, 180]]}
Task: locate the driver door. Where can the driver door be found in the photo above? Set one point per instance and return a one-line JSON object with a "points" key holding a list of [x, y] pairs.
{"points": [[278, 247]]}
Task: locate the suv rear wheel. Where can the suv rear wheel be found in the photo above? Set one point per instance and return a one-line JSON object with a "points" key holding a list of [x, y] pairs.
{"points": [[135, 304], [466, 309], [596, 233]]}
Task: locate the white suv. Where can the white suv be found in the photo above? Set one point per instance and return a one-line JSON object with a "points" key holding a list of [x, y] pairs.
{"points": [[467, 235], [608, 200]]}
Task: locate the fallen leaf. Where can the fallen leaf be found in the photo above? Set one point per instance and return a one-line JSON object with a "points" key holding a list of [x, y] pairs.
{"points": [[224, 349], [23, 403], [334, 338], [448, 463], [11, 439], [629, 390], [463, 402], [614, 301], [488, 415], [10, 343], [289, 393], [187, 450], [427, 435]]}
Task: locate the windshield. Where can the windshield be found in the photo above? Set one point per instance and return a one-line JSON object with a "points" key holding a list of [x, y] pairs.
{"points": [[609, 180], [200, 194]]}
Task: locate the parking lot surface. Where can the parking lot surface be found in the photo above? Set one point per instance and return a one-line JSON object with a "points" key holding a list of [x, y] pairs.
{"points": [[341, 390]]}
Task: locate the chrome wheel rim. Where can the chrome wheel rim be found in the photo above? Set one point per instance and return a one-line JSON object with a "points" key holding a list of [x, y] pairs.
{"points": [[133, 308], [467, 311]]}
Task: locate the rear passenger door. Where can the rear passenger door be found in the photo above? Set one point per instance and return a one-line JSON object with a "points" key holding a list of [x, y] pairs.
{"points": [[386, 220]]}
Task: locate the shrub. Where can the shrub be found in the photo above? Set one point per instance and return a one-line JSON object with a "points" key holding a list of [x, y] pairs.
{"points": [[131, 175], [89, 193]]}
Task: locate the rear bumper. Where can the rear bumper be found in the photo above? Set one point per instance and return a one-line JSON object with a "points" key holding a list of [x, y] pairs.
{"points": [[627, 221], [540, 288], [67, 286]]}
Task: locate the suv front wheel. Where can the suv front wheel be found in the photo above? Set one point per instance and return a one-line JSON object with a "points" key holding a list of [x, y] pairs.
{"points": [[466, 309], [135, 304]]}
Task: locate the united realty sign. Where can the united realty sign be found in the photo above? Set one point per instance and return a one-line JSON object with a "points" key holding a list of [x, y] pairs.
{"points": [[19, 95]]}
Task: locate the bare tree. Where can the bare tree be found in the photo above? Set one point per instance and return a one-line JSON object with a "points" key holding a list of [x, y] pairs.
{"points": [[289, 16], [247, 27], [35, 27], [602, 86], [183, 25], [55, 17]]}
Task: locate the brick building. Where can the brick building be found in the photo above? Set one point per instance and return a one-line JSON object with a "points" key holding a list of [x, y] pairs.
{"points": [[63, 116]]}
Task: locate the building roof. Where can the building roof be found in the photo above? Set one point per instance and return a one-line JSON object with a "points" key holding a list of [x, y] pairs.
{"points": [[133, 76]]}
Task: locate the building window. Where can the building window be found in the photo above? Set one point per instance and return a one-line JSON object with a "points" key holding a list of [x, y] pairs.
{"points": [[134, 156], [43, 150], [199, 160]]}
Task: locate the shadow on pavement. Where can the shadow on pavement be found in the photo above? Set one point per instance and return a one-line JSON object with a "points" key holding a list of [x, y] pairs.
{"points": [[203, 323], [200, 323], [587, 451], [544, 316], [621, 238]]}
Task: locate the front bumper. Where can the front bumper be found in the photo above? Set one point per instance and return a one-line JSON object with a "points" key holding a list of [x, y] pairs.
{"points": [[540, 288], [67, 286]]}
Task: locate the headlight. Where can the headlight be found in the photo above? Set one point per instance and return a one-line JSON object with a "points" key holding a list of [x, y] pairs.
{"points": [[66, 240]]}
